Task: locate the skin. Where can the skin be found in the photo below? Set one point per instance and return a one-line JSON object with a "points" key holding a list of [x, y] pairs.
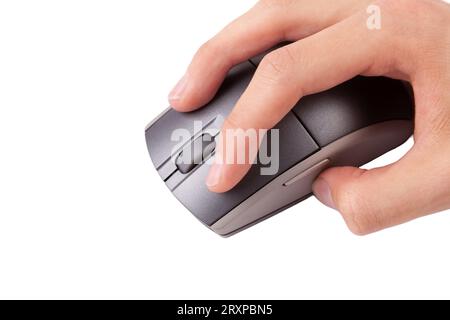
{"points": [[332, 44]]}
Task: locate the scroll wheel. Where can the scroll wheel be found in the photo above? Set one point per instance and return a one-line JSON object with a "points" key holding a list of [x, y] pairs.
{"points": [[195, 153]]}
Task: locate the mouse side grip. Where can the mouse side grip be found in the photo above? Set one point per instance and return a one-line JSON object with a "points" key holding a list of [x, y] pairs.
{"points": [[354, 149]]}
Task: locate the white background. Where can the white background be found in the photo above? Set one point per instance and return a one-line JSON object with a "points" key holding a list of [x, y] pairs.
{"points": [[83, 213]]}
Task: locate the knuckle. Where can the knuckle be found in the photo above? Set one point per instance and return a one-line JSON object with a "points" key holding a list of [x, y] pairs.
{"points": [[275, 67], [233, 121], [407, 24], [209, 49], [359, 217]]}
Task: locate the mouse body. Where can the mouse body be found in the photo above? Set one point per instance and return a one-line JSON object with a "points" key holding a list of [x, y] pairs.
{"points": [[348, 125]]}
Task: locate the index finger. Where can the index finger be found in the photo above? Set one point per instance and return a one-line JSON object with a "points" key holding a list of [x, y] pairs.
{"points": [[314, 64]]}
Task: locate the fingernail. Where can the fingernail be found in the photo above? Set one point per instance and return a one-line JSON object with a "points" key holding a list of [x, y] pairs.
{"points": [[322, 192], [178, 91], [214, 174]]}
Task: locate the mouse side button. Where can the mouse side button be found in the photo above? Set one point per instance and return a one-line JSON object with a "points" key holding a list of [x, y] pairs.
{"points": [[312, 171]]}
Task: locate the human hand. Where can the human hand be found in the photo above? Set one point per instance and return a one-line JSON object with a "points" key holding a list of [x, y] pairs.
{"points": [[333, 42]]}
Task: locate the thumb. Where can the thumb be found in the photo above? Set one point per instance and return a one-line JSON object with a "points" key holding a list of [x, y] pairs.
{"points": [[371, 200]]}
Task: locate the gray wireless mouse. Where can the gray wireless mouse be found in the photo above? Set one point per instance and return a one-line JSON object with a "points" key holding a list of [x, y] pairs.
{"points": [[348, 125]]}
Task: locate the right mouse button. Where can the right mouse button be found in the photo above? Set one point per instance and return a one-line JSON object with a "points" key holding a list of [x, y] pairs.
{"points": [[353, 105], [309, 175]]}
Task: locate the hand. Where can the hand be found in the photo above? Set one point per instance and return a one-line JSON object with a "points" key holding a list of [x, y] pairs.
{"points": [[333, 42]]}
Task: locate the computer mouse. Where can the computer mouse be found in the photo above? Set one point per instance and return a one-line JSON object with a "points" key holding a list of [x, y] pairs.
{"points": [[348, 125]]}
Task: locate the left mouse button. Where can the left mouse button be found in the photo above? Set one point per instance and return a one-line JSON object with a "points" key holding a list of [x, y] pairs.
{"points": [[195, 152]]}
